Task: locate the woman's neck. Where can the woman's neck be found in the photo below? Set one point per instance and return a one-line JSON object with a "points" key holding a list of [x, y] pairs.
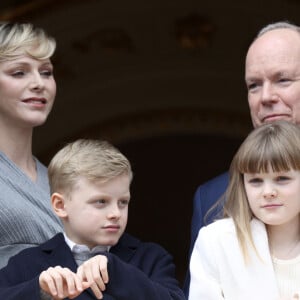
{"points": [[16, 144]]}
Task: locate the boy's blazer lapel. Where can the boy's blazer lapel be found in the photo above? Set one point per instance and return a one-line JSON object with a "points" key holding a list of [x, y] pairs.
{"points": [[57, 252], [126, 247]]}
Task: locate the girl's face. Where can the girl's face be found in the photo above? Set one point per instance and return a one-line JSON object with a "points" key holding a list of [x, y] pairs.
{"points": [[274, 197], [27, 91]]}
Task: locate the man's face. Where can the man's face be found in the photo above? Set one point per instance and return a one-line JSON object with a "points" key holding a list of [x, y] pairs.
{"points": [[273, 77]]}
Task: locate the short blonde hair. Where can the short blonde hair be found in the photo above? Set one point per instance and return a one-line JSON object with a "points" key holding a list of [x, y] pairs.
{"points": [[93, 159], [275, 145], [23, 38]]}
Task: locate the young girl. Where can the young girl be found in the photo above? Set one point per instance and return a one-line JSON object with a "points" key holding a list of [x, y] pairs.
{"points": [[254, 251]]}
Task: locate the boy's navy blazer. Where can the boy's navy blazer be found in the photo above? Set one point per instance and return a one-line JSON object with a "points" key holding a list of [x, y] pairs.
{"points": [[137, 271]]}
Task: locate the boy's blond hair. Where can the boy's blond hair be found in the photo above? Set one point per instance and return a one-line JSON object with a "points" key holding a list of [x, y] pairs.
{"points": [[92, 159], [23, 38]]}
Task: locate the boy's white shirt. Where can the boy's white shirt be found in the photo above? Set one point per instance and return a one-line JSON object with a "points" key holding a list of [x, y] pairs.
{"points": [[82, 248], [217, 265]]}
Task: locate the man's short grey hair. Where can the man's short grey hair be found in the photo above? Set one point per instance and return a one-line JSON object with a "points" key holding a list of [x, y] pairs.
{"points": [[278, 25]]}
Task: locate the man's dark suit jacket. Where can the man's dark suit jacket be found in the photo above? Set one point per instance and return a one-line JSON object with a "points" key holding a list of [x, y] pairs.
{"points": [[136, 271], [204, 211]]}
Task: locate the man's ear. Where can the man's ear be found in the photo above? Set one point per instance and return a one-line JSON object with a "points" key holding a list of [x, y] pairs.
{"points": [[58, 205]]}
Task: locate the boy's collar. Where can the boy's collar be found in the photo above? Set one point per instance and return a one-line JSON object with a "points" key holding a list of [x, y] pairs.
{"points": [[83, 248]]}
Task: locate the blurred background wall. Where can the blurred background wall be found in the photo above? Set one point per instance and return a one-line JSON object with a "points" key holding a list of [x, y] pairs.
{"points": [[163, 81]]}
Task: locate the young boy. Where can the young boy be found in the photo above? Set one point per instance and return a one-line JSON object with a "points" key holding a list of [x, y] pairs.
{"points": [[90, 183]]}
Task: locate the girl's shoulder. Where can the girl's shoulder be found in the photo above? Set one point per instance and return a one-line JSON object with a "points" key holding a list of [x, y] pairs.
{"points": [[227, 225], [222, 225]]}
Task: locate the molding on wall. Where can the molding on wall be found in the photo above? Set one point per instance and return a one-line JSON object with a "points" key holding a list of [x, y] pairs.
{"points": [[170, 122], [181, 121]]}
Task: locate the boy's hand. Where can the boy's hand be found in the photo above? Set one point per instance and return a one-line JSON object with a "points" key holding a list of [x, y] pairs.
{"points": [[61, 283], [94, 271]]}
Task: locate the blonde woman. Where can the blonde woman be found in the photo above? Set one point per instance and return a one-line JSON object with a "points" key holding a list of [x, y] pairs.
{"points": [[27, 93]]}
